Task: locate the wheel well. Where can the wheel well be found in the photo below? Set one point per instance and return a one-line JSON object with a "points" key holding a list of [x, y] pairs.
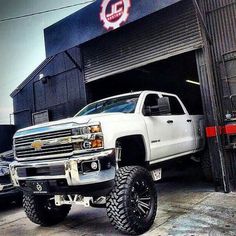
{"points": [[132, 150]]}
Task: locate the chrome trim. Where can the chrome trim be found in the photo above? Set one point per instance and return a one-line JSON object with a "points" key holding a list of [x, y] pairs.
{"points": [[72, 174], [65, 155], [72, 200], [52, 147], [23, 149], [70, 154], [45, 129], [58, 141], [4, 186], [28, 138]]}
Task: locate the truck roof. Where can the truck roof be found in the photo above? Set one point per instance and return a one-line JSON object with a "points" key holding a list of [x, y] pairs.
{"points": [[132, 93]]}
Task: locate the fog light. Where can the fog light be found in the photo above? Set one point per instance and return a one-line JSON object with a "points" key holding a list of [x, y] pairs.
{"points": [[94, 165]]}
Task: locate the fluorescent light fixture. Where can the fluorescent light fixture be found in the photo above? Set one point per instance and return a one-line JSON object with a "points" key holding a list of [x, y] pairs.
{"points": [[192, 82]]}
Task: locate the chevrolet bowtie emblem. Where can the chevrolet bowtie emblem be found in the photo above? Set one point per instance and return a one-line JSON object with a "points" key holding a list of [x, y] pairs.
{"points": [[37, 145]]}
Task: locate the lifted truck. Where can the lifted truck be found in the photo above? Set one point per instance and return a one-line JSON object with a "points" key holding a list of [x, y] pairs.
{"points": [[103, 156]]}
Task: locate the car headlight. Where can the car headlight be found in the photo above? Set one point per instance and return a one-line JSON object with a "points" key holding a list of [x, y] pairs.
{"points": [[88, 137], [4, 170], [87, 130]]}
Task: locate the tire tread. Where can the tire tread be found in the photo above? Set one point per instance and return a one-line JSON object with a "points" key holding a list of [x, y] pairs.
{"points": [[116, 207], [35, 212]]}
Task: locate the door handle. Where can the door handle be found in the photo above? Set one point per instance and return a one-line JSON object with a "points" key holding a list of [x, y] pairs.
{"points": [[189, 121], [170, 121]]}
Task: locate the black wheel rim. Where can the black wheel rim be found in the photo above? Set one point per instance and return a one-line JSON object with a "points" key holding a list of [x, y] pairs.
{"points": [[141, 199], [48, 204]]}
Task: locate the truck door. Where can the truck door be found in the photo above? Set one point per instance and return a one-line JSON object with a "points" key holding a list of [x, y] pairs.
{"points": [[169, 134], [183, 139]]}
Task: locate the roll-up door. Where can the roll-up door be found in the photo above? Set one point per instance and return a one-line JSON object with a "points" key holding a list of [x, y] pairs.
{"points": [[166, 33]]}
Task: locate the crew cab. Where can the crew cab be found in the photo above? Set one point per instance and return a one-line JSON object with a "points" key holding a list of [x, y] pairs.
{"points": [[103, 157]]}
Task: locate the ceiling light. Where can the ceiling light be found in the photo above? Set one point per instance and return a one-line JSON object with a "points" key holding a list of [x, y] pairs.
{"points": [[193, 82]]}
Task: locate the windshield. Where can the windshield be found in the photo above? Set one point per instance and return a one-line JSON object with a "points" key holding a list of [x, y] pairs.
{"points": [[126, 104]]}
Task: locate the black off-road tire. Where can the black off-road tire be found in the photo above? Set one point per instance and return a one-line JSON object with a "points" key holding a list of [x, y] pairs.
{"points": [[206, 165], [123, 208], [43, 211]]}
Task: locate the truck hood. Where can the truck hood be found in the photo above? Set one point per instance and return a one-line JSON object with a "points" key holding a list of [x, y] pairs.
{"points": [[65, 124]]}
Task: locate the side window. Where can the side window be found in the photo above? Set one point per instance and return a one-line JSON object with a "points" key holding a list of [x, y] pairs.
{"points": [[175, 106], [150, 100]]}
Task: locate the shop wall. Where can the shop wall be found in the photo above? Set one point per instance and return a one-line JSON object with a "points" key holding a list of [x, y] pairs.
{"points": [[61, 91]]}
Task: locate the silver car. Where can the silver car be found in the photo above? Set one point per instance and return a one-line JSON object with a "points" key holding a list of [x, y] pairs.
{"points": [[7, 191]]}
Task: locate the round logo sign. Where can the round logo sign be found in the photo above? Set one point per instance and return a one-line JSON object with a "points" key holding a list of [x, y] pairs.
{"points": [[114, 13]]}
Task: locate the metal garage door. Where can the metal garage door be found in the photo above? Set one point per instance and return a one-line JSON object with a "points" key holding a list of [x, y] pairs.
{"points": [[166, 33]]}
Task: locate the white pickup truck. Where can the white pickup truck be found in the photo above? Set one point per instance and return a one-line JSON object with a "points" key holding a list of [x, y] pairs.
{"points": [[104, 156]]}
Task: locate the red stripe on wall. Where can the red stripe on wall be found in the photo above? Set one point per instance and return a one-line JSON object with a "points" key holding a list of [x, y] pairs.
{"points": [[227, 129], [230, 129], [211, 131]]}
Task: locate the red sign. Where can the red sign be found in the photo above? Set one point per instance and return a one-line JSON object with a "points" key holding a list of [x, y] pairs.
{"points": [[114, 13]]}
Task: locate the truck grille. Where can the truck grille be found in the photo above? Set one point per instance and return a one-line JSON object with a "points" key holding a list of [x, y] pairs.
{"points": [[24, 150]]}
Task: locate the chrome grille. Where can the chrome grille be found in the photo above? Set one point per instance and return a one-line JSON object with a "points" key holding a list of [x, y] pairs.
{"points": [[24, 150]]}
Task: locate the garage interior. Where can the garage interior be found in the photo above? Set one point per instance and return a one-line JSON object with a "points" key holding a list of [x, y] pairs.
{"points": [[176, 75]]}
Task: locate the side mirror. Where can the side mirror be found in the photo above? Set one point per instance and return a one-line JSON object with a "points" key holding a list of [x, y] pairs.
{"points": [[163, 108]]}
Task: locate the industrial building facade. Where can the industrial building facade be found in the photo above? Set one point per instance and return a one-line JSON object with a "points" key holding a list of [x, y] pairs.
{"points": [[111, 47]]}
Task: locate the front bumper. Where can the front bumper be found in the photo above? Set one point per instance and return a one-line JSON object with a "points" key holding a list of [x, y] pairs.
{"points": [[70, 170], [9, 191]]}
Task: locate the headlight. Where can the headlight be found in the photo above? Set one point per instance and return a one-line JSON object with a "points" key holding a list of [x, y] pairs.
{"points": [[4, 170], [89, 137], [95, 128], [87, 130]]}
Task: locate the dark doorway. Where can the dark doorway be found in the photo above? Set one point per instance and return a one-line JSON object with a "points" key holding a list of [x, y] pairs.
{"points": [[176, 75]]}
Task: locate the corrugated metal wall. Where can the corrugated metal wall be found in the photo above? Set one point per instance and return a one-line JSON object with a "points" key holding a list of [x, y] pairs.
{"points": [[166, 33], [63, 94], [207, 99], [221, 21], [220, 18]]}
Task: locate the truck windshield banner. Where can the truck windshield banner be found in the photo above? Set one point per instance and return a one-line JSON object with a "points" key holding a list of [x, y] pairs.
{"points": [[96, 19]]}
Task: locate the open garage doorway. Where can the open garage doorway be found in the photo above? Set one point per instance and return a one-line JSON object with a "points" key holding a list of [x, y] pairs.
{"points": [[176, 75]]}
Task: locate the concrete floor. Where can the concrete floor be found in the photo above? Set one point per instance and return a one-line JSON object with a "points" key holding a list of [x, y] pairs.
{"points": [[187, 206]]}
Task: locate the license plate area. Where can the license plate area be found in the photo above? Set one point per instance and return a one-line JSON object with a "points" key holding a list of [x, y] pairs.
{"points": [[156, 174], [39, 187]]}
